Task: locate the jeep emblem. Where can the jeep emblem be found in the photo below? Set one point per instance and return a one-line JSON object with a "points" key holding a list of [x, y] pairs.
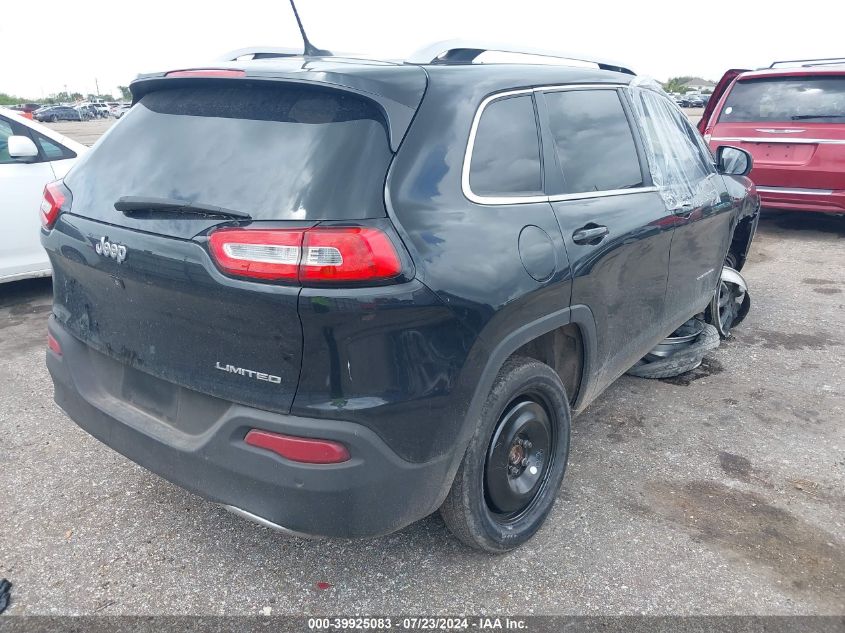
{"points": [[110, 249]]}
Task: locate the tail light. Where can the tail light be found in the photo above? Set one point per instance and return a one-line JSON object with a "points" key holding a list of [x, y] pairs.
{"points": [[311, 256], [299, 449], [206, 72], [57, 198], [259, 254]]}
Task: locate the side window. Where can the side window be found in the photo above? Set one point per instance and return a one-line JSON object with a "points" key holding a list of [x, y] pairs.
{"points": [[5, 133], [506, 153], [678, 165], [51, 149], [593, 140]]}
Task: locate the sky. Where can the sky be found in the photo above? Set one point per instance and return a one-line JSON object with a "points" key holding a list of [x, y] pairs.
{"points": [[55, 43]]}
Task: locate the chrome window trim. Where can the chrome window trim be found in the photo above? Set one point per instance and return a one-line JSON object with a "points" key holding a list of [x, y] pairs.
{"points": [[504, 200], [797, 191], [767, 139], [600, 194]]}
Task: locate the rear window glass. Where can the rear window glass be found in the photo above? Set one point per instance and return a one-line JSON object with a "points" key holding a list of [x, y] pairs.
{"points": [[811, 99], [284, 152], [506, 153]]}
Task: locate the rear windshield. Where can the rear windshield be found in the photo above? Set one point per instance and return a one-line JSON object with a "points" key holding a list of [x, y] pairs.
{"points": [[811, 99], [281, 152]]}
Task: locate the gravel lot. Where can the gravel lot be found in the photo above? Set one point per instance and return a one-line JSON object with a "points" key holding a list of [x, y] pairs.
{"points": [[85, 132], [720, 492]]}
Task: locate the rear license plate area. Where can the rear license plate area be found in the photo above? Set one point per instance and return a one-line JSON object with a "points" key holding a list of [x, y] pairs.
{"points": [[783, 153], [153, 395]]}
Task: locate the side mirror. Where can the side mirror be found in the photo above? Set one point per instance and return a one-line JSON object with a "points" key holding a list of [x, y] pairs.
{"points": [[733, 161], [22, 148]]}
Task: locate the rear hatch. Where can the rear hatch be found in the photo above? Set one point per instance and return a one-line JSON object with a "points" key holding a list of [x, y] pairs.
{"points": [[141, 285], [793, 126]]}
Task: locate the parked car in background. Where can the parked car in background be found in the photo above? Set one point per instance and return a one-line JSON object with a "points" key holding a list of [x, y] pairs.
{"points": [[694, 101], [58, 113], [406, 324], [31, 155], [22, 111], [122, 109], [791, 119], [101, 109]]}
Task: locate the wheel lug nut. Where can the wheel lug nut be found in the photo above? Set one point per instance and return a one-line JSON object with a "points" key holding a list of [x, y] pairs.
{"points": [[524, 462], [528, 444]]}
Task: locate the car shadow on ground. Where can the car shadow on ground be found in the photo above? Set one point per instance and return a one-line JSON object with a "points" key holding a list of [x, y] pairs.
{"points": [[804, 221], [25, 291]]}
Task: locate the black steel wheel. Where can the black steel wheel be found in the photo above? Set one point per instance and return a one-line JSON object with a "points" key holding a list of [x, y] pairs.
{"points": [[513, 467], [519, 458]]}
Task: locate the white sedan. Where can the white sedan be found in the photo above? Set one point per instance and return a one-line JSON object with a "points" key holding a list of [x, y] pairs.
{"points": [[31, 155]]}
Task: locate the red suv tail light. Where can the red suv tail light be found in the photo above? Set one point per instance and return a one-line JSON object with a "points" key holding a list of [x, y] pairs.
{"points": [[57, 198], [311, 256]]}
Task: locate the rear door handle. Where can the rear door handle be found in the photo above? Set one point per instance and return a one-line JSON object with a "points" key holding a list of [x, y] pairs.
{"points": [[591, 234]]}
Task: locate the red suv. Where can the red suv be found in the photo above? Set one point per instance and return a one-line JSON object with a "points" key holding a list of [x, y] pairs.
{"points": [[792, 121]]}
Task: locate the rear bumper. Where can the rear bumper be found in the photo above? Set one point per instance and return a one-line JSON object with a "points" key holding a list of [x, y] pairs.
{"points": [[824, 200], [375, 492]]}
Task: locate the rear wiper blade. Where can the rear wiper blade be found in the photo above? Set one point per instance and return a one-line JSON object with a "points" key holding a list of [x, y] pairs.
{"points": [[798, 117], [143, 204]]}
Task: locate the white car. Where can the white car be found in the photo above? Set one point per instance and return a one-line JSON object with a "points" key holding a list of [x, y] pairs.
{"points": [[31, 155], [123, 109]]}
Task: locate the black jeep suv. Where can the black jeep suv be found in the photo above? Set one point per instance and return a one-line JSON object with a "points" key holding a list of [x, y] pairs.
{"points": [[336, 295]]}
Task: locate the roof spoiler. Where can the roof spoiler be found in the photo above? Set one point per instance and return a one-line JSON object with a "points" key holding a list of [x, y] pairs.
{"points": [[466, 51]]}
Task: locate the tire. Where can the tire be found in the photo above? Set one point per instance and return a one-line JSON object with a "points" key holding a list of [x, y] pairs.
{"points": [[667, 368], [54, 118], [495, 505], [680, 362]]}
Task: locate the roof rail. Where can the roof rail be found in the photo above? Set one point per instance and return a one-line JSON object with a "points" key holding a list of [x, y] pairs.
{"points": [[465, 51], [822, 61], [260, 52]]}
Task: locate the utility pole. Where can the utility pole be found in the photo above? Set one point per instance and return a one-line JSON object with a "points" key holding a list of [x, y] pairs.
{"points": [[97, 85]]}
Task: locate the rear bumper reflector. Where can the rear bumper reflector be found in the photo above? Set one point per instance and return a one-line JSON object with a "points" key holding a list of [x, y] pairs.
{"points": [[299, 449], [53, 345]]}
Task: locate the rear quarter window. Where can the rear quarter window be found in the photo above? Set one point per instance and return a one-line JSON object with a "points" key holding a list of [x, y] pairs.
{"points": [[506, 151], [812, 99]]}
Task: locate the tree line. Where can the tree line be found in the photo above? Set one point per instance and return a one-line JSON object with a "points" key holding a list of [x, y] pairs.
{"points": [[65, 97]]}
